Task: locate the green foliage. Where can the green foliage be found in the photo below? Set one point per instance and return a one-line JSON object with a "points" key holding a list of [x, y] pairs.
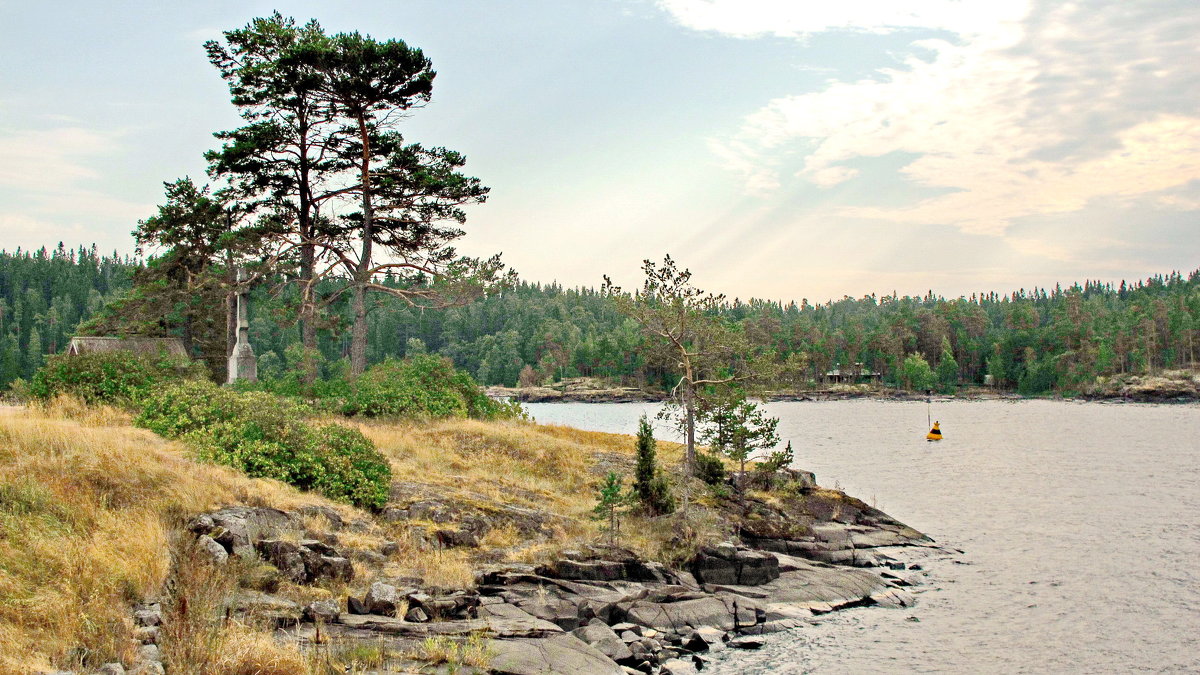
{"points": [[118, 378], [422, 385], [710, 469], [738, 427], [1038, 377], [946, 374], [779, 459], [916, 374], [265, 436], [609, 500], [650, 485]]}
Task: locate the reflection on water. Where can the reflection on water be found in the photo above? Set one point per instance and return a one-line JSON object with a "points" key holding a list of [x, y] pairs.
{"points": [[1080, 524]]}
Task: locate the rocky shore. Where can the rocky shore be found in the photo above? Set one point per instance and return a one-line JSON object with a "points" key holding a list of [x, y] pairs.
{"points": [[595, 610]]}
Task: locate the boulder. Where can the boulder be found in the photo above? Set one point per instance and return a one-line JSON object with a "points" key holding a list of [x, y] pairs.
{"points": [[678, 667], [563, 653], [210, 550], [356, 606], [325, 611], [305, 561], [746, 568], [597, 634], [239, 527], [383, 599]]}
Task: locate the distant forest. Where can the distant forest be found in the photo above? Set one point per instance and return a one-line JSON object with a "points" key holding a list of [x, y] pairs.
{"points": [[1032, 341]]}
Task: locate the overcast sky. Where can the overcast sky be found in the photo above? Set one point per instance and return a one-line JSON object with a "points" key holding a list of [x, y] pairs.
{"points": [[780, 149]]}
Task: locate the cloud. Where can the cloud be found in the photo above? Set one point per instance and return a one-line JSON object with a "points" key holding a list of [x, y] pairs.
{"points": [[1026, 110], [53, 182], [51, 159], [788, 18]]}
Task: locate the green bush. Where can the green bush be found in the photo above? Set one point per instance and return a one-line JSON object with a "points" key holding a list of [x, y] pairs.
{"points": [[265, 436], [710, 469], [118, 378], [422, 385]]}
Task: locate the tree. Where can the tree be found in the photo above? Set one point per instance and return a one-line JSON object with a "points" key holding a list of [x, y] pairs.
{"points": [[946, 374], [285, 159], [610, 498], [737, 428], [404, 192], [185, 289], [704, 353], [649, 484], [915, 373]]}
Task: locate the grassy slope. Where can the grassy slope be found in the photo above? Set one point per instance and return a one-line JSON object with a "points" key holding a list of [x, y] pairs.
{"points": [[89, 509]]}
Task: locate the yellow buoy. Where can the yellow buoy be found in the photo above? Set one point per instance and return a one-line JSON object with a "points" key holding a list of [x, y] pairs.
{"points": [[935, 434]]}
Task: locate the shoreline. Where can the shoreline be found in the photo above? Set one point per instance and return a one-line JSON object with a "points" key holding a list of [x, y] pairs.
{"points": [[633, 395]]}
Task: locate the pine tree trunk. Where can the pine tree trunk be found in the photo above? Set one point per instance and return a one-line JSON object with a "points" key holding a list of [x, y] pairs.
{"points": [[358, 336]]}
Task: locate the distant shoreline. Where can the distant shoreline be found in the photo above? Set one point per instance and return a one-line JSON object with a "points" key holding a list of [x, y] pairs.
{"points": [[635, 395]]}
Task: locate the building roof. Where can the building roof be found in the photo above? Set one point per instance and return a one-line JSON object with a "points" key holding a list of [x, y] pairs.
{"points": [[137, 345]]}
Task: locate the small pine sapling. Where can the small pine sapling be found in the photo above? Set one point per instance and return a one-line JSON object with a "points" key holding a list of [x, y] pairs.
{"points": [[650, 486], [609, 501]]}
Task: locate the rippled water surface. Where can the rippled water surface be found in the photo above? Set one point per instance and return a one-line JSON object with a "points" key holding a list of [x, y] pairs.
{"points": [[1080, 524]]}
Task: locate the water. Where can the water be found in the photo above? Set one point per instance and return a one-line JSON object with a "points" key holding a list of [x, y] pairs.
{"points": [[1079, 522]]}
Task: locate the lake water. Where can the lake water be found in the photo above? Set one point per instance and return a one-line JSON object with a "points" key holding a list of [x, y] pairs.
{"points": [[1079, 522]]}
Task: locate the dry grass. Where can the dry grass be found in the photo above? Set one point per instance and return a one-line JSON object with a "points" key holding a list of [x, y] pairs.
{"points": [[89, 505], [476, 651], [85, 514]]}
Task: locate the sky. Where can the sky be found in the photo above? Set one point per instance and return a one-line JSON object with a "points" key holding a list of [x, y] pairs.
{"points": [[779, 149]]}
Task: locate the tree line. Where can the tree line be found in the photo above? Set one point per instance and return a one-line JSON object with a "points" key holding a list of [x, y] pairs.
{"points": [[1037, 341]]}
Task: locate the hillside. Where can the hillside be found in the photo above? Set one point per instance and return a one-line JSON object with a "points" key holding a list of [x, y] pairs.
{"points": [[117, 546]]}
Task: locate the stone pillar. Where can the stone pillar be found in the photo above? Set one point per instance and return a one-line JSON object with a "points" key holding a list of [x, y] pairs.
{"points": [[242, 363]]}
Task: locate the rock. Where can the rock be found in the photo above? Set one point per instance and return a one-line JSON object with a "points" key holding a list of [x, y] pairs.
{"points": [[148, 668], [382, 599], [705, 639], [263, 607], [149, 653], [389, 548], [305, 561], [368, 557], [209, 549], [618, 628], [333, 517], [678, 667], [355, 606], [563, 653], [241, 526], [597, 634], [499, 628], [746, 568], [746, 642], [325, 611], [725, 550], [146, 634], [457, 538], [148, 617], [677, 616], [591, 570], [111, 669], [416, 615]]}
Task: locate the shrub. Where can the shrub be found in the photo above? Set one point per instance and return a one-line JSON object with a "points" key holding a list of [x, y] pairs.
{"points": [[422, 385], [265, 436], [710, 469], [120, 378]]}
